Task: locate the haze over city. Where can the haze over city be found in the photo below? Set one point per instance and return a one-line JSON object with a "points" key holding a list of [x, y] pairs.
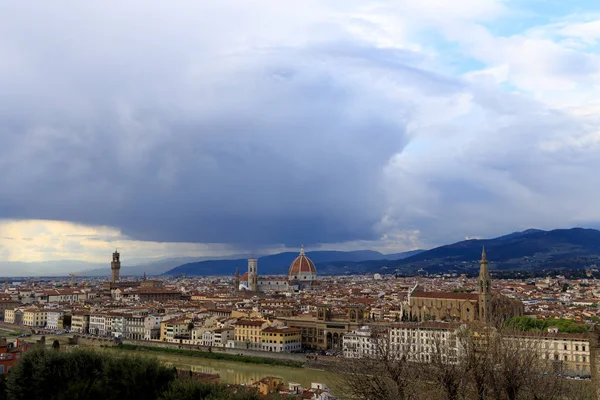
{"points": [[188, 129]]}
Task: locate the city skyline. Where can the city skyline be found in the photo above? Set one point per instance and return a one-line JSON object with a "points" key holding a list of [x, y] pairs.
{"points": [[195, 130]]}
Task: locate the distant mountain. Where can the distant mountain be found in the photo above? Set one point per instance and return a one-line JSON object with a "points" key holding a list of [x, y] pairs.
{"points": [[150, 267], [44, 268], [278, 264], [400, 256], [530, 249]]}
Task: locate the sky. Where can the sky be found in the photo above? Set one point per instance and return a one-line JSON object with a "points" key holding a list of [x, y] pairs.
{"points": [[202, 128]]}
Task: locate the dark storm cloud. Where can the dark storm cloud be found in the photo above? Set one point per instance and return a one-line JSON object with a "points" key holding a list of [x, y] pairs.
{"points": [[267, 145]]}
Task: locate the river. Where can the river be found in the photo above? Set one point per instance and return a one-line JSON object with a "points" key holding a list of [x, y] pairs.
{"points": [[239, 373]]}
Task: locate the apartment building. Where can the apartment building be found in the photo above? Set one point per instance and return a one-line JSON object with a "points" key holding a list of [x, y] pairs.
{"points": [[152, 326], [247, 333], [80, 322], [35, 317], [133, 326], [279, 340], [14, 316], [7, 305], [416, 341], [97, 325], [222, 336], [175, 329], [52, 318]]}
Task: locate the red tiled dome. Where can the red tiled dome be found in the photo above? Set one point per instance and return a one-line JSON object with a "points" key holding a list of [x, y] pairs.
{"points": [[302, 264]]}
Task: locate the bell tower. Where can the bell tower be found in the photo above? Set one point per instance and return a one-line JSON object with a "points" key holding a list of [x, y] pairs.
{"points": [[115, 266], [253, 274], [485, 285]]}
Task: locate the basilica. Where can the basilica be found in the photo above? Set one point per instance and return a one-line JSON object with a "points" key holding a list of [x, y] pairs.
{"points": [[302, 274], [483, 306]]}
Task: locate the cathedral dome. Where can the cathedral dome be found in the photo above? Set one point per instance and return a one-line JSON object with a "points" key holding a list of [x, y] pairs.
{"points": [[302, 267]]}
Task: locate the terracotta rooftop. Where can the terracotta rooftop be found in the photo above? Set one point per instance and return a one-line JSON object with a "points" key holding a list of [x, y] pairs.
{"points": [[446, 295]]}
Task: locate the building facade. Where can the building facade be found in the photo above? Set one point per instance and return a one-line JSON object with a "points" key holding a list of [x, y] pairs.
{"points": [[281, 340], [247, 333], [302, 274], [483, 306]]}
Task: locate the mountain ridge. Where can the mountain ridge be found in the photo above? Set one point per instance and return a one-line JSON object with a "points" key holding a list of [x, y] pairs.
{"points": [[278, 264], [530, 249]]}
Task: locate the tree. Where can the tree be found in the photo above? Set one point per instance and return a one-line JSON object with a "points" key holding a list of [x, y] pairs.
{"points": [[84, 374], [444, 367], [56, 345], [190, 326], [476, 362], [383, 374]]}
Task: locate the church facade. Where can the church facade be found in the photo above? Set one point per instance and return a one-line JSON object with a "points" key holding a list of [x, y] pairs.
{"points": [[483, 306]]}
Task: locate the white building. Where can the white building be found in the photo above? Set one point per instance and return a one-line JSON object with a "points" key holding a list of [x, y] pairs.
{"points": [[360, 343], [222, 336], [97, 324], [133, 326], [118, 325], [53, 317], [207, 338], [152, 327], [416, 341]]}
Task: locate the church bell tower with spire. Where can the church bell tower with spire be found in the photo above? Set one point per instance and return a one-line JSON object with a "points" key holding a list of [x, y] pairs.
{"points": [[485, 285]]}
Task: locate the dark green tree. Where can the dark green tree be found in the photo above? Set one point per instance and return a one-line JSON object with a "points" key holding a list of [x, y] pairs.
{"points": [[56, 345], [84, 374]]}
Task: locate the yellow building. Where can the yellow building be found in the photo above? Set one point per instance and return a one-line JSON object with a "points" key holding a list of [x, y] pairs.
{"points": [[325, 332], [80, 322], [7, 305], [247, 333], [175, 329], [35, 317], [269, 384], [284, 339], [11, 316]]}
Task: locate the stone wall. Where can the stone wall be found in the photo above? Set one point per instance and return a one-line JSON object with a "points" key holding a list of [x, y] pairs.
{"points": [[244, 352]]}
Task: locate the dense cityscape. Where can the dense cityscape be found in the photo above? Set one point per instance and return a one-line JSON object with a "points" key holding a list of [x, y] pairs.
{"points": [[301, 317], [324, 200]]}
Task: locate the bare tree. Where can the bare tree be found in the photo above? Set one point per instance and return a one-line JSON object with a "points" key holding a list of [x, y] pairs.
{"points": [[380, 372], [444, 367], [476, 362]]}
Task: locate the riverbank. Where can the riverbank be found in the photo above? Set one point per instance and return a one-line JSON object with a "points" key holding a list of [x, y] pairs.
{"points": [[236, 372], [211, 355]]}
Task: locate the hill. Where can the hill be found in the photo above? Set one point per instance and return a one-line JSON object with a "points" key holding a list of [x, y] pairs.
{"points": [[150, 267], [278, 264], [530, 249]]}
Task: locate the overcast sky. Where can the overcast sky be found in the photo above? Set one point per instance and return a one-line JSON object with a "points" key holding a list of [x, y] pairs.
{"points": [[188, 128]]}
